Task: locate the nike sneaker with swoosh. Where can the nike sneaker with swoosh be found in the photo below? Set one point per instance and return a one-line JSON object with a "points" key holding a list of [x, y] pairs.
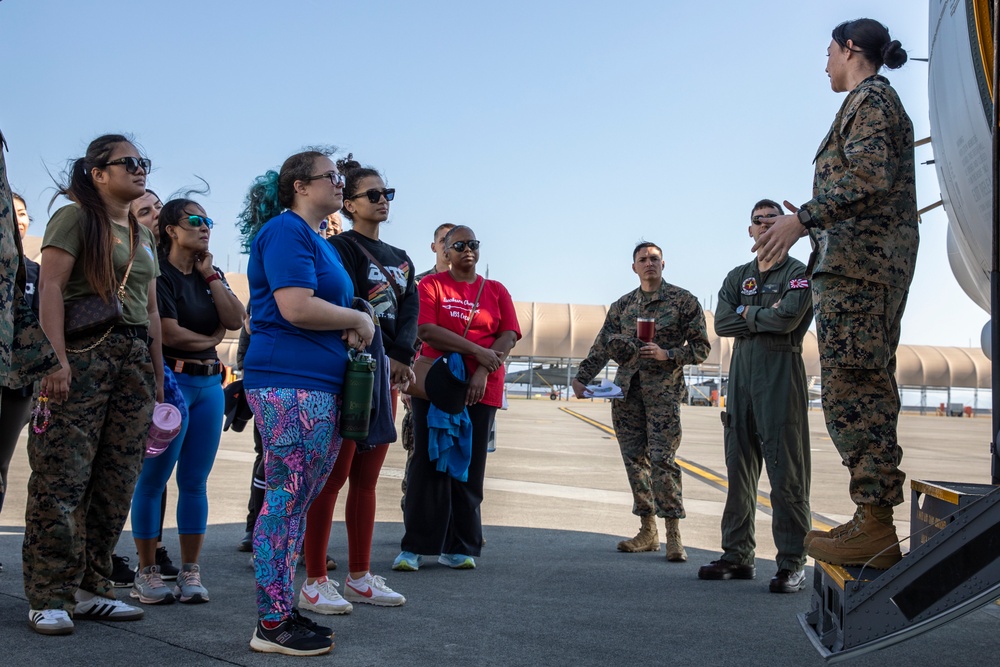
{"points": [[322, 597], [371, 589]]}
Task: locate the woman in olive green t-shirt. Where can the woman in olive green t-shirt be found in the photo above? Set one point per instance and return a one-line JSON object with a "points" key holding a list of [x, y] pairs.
{"points": [[85, 463]]}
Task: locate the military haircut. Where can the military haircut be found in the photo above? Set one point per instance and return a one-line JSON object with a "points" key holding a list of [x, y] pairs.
{"points": [[766, 203], [645, 244]]}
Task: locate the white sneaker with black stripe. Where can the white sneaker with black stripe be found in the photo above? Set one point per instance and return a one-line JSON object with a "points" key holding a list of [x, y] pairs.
{"points": [[50, 621], [90, 607]]}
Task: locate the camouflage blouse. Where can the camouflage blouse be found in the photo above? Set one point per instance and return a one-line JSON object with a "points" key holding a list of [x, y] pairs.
{"points": [[864, 203], [25, 352], [680, 328]]}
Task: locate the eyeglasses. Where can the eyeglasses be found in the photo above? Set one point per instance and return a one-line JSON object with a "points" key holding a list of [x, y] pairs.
{"points": [[757, 219], [460, 246], [335, 178], [132, 164], [199, 220], [375, 195]]}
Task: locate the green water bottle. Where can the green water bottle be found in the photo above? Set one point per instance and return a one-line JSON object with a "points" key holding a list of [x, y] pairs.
{"points": [[356, 401]]}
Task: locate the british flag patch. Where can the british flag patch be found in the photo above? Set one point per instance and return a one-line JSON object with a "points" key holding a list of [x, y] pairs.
{"points": [[798, 283]]}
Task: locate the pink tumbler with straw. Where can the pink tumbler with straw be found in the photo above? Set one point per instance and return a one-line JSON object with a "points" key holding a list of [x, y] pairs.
{"points": [[165, 427]]}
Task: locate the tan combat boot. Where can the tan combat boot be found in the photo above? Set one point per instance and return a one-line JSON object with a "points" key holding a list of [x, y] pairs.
{"points": [[871, 541], [833, 532], [646, 540], [675, 549]]}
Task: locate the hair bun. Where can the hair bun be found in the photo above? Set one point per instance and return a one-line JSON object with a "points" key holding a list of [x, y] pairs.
{"points": [[893, 54], [348, 164]]}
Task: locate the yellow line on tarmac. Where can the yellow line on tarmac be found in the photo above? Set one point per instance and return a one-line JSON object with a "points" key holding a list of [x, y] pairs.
{"points": [[692, 468]]}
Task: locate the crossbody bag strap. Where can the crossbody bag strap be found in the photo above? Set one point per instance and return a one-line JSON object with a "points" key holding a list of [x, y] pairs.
{"points": [[388, 277], [474, 306], [131, 260]]}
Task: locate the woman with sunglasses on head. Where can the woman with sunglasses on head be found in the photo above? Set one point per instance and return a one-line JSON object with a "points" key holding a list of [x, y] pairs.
{"points": [[85, 462], [196, 309], [384, 276], [301, 297], [441, 515]]}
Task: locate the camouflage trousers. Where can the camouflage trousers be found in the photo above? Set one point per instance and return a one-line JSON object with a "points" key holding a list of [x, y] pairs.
{"points": [[857, 326], [83, 471], [648, 428]]}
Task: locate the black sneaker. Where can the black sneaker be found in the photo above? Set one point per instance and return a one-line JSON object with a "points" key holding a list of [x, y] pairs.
{"points": [[311, 625], [167, 570], [723, 569], [289, 638], [122, 574]]}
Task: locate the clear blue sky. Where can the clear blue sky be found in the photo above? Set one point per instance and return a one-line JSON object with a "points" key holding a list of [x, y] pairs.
{"points": [[562, 133]]}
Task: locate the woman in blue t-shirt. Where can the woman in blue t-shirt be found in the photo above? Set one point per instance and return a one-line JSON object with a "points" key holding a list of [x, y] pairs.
{"points": [[196, 309], [301, 298]]}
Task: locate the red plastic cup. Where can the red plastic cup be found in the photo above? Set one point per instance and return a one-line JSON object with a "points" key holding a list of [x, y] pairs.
{"points": [[645, 327]]}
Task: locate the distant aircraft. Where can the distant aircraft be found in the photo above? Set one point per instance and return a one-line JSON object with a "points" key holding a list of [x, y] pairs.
{"points": [[960, 80]]}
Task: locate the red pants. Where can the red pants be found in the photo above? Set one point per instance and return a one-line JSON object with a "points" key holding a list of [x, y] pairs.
{"points": [[363, 470]]}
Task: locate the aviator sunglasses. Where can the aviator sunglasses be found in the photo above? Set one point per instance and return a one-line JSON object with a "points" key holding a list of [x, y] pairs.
{"points": [[460, 246], [375, 195], [757, 219], [132, 164], [199, 220]]}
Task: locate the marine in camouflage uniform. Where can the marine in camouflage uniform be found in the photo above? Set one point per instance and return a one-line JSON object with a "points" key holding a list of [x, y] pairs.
{"points": [[647, 420], [767, 309], [863, 221], [25, 353]]}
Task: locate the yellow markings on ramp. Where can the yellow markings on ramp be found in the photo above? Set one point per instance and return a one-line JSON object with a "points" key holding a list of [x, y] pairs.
{"points": [[696, 470]]}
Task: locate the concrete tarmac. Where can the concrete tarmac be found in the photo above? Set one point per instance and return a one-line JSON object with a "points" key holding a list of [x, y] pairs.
{"points": [[550, 587]]}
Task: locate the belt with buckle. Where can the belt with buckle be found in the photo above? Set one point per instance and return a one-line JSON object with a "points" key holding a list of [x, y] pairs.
{"points": [[191, 368], [131, 331]]}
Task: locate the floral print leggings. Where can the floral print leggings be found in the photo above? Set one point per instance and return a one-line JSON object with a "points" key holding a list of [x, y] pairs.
{"points": [[301, 440]]}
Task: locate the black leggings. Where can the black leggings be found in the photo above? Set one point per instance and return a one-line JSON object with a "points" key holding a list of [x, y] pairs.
{"points": [[441, 513], [15, 410]]}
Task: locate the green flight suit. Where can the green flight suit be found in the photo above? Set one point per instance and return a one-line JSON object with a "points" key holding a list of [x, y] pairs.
{"points": [[647, 420], [765, 418]]}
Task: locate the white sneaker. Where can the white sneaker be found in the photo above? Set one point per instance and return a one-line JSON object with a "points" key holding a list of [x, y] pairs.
{"points": [[322, 597], [50, 621], [95, 608], [371, 589]]}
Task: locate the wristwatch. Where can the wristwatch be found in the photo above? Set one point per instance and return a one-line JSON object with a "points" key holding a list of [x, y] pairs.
{"points": [[805, 218], [740, 309]]}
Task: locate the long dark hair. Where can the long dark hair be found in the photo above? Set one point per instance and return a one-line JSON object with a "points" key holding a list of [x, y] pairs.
{"points": [[274, 191], [99, 240], [353, 173]]}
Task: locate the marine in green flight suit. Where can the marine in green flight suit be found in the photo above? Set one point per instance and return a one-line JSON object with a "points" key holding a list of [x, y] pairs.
{"points": [[767, 307]]}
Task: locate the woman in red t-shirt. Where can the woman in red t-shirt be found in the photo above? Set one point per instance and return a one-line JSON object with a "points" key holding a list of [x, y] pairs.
{"points": [[441, 515]]}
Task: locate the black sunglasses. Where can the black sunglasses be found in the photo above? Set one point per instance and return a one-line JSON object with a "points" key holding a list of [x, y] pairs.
{"points": [[757, 219], [460, 246], [132, 164], [199, 220], [375, 195], [335, 178]]}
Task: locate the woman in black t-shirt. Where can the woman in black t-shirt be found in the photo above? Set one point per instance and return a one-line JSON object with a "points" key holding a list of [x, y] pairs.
{"points": [[383, 275], [196, 309]]}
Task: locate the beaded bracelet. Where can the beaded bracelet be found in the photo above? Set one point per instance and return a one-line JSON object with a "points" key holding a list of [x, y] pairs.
{"points": [[41, 409]]}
